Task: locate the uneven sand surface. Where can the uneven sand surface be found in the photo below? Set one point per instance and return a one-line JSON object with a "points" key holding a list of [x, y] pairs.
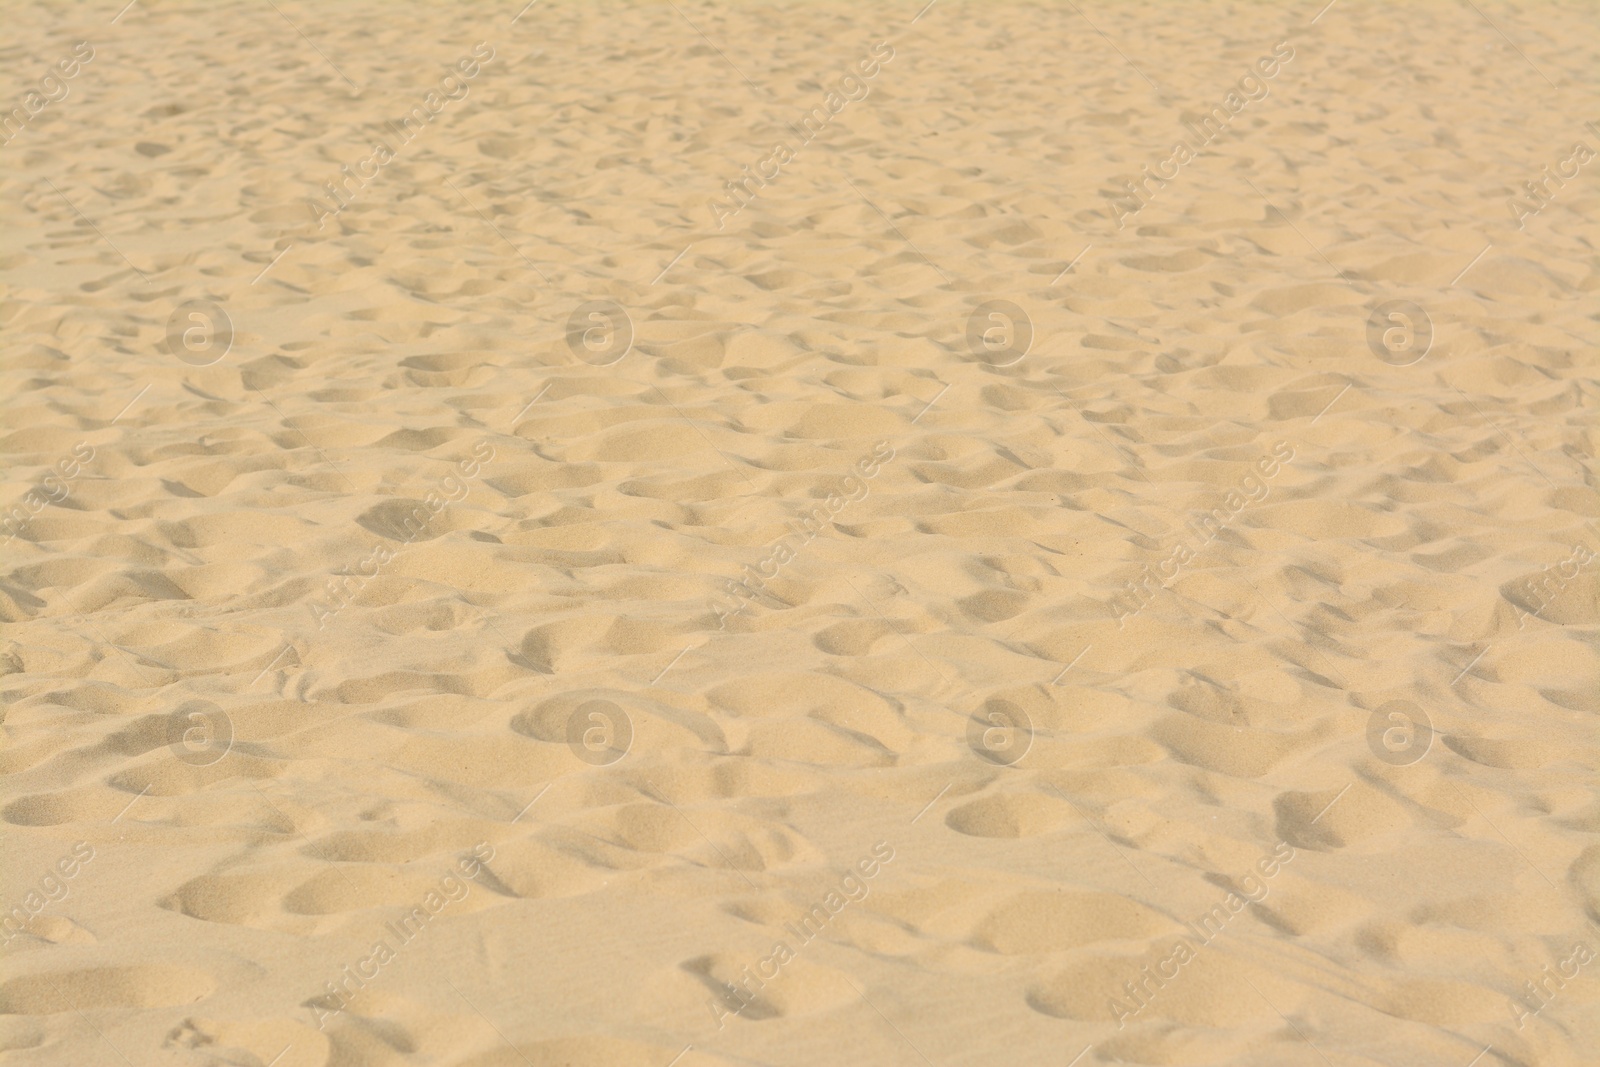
{"points": [[1203, 669]]}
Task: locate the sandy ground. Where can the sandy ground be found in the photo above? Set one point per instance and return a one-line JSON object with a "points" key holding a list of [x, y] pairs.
{"points": [[935, 603]]}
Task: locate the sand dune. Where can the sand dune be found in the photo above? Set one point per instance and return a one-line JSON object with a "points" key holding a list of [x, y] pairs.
{"points": [[771, 533]]}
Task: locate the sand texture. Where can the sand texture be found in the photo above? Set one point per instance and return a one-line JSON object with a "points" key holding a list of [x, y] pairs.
{"points": [[677, 534]]}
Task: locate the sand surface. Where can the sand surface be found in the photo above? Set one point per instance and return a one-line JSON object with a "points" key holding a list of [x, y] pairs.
{"points": [[1168, 621]]}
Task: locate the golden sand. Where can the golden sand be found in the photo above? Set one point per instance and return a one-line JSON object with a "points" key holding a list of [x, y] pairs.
{"points": [[746, 533]]}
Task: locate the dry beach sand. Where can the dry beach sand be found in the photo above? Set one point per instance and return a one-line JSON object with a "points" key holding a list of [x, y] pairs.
{"points": [[786, 534]]}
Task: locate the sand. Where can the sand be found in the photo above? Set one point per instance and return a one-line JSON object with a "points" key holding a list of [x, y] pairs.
{"points": [[935, 602]]}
